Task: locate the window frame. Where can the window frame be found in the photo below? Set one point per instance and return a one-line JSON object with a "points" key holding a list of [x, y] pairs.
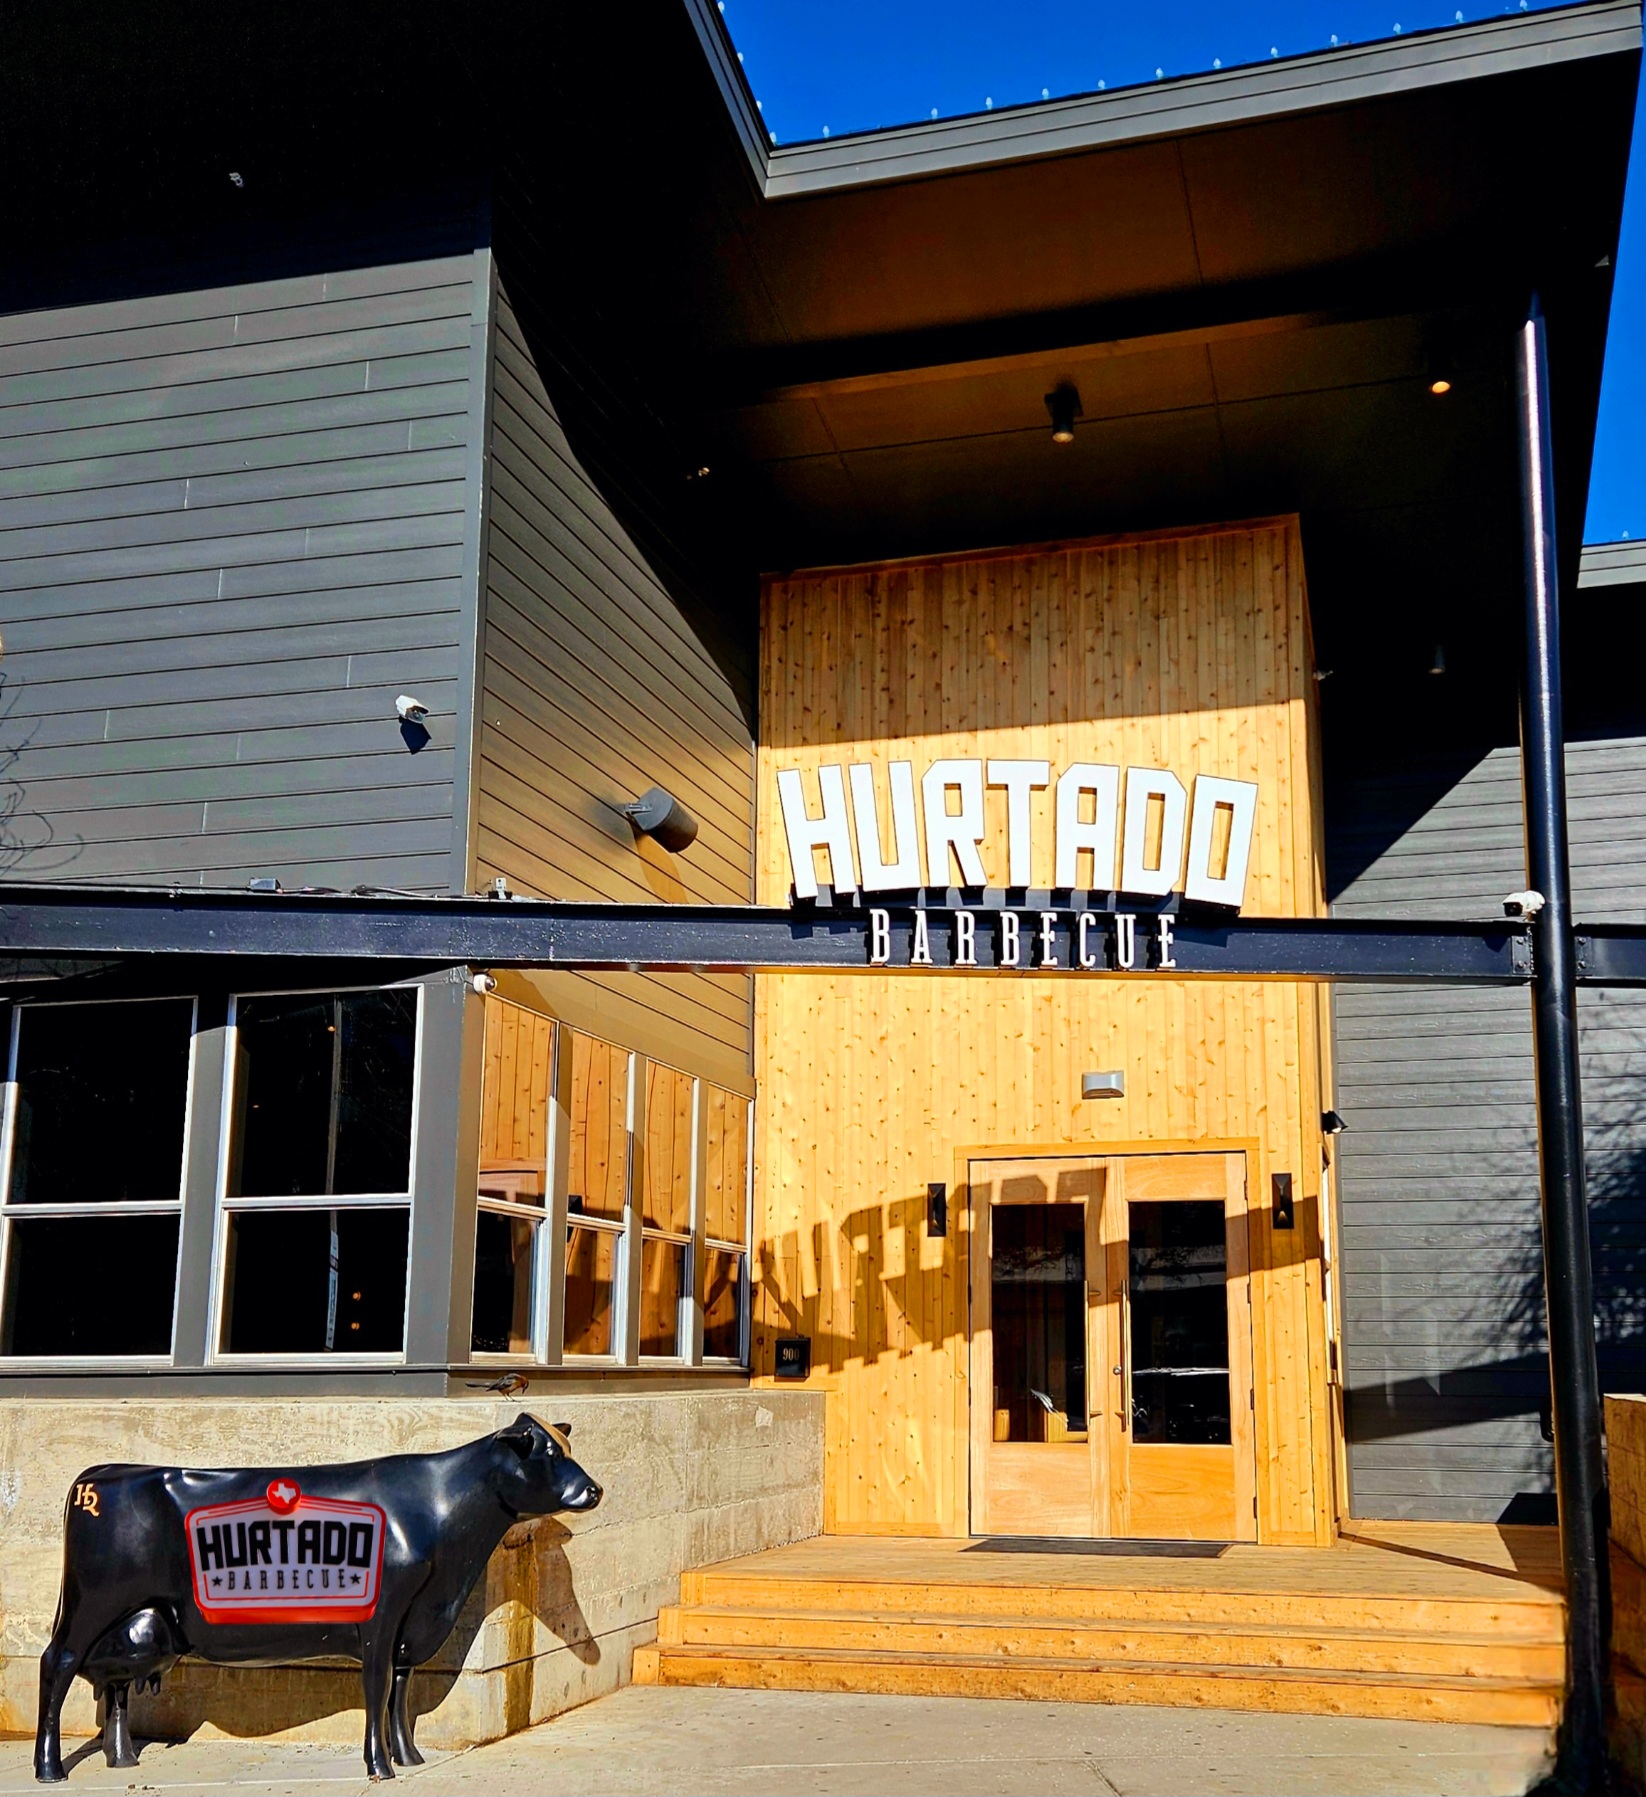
{"points": [[146, 1207], [224, 1205]]}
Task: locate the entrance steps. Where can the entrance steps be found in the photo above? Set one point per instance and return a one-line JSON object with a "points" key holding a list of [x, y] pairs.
{"points": [[1351, 1630]]}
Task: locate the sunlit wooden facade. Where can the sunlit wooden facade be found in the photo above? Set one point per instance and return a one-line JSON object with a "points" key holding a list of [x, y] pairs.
{"points": [[1188, 651]]}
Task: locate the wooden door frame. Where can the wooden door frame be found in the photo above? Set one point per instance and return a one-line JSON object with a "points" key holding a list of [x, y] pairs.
{"points": [[979, 1417]]}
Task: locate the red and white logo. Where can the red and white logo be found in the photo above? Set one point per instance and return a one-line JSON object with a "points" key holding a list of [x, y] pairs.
{"points": [[286, 1557]]}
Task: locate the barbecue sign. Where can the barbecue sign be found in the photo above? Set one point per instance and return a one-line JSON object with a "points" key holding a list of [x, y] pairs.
{"points": [[286, 1557]]}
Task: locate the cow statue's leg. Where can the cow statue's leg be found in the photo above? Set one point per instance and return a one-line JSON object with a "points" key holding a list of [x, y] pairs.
{"points": [[402, 1748], [118, 1749], [58, 1665], [376, 1668]]}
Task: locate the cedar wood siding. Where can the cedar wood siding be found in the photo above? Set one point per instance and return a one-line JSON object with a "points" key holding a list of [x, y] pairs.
{"points": [[233, 528], [595, 686], [1441, 1257]]}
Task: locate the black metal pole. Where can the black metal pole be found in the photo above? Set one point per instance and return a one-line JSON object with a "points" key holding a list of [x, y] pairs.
{"points": [[1580, 1482]]}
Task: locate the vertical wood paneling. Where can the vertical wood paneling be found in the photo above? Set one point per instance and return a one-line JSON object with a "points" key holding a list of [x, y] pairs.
{"points": [[1189, 652]]}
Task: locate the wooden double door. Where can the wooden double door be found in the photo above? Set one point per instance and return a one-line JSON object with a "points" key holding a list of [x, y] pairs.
{"points": [[1111, 1347]]}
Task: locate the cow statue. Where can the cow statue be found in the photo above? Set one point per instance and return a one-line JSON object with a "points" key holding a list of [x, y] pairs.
{"points": [[372, 1560]]}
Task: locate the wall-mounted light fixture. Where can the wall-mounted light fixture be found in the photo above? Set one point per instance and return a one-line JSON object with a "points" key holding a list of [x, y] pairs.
{"points": [[1103, 1085], [661, 816], [1063, 402], [1437, 661], [1331, 1124], [1441, 372]]}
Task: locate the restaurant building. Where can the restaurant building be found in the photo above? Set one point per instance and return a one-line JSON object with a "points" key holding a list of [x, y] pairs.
{"points": [[1034, 538]]}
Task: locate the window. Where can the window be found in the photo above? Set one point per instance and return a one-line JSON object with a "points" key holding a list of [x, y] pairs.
{"points": [[514, 1173], [638, 1254], [321, 1109], [96, 1113], [725, 1222], [597, 1183]]}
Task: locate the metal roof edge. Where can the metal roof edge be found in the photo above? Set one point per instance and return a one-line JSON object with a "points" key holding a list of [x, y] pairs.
{"points": [[1612, 564], [1048, 128], [727, 71]]}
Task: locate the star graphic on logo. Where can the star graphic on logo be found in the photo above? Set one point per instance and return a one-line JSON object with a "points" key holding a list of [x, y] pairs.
{"points": [[354, 1579], [215, 1580]]}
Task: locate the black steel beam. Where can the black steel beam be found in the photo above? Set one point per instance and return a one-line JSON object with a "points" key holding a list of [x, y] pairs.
{"points": [[79, 924], [1611, 954], [1580, 1479]]}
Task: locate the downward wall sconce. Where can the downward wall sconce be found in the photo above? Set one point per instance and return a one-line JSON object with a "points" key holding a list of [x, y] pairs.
{"points": [[1280, 1185], [1331, 1124], [1063, 402], [1103, 1085], [661, 816], [1437, 661]]}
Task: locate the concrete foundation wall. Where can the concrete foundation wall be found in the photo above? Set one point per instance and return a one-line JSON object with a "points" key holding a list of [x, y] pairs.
{"points": [[690, 1478]]}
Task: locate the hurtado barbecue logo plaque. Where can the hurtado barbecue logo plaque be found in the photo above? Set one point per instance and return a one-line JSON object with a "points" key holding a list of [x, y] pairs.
{"points": [[286, 1557]]}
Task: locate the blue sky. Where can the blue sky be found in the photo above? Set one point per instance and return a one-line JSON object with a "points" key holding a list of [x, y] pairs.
{"points": [[826, 67]]}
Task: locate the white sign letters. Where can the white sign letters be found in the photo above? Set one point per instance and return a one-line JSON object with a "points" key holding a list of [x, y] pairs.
{"points": [[1144, 833]]}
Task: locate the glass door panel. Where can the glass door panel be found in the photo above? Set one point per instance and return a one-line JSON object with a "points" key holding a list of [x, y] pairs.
{"points": [[1037, 1275], [1178, 1271]]}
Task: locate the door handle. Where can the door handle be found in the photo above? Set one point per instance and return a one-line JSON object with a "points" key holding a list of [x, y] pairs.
{"points": [[1120, 1374]]}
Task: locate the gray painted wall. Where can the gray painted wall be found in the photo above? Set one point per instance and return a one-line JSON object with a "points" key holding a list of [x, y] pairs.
{"points": [[595, 686], [232, 530], [1437, 1174]]}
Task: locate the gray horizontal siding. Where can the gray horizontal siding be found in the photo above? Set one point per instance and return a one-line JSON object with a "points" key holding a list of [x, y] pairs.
{"points": [[232, 529], [1440, 1252], [595, 686]]}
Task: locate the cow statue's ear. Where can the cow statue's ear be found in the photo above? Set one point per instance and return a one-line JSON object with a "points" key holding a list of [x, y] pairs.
{"points": [[521, 1436], [564, 1428]]}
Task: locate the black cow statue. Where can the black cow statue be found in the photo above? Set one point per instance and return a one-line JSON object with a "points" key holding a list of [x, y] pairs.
{"points": [[373, 1560]]}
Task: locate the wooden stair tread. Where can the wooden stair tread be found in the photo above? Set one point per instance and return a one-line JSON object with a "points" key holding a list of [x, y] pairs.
{"points": [[1186, 1669], [1508, 1618], [1000, 1619], [1513, 1591]]}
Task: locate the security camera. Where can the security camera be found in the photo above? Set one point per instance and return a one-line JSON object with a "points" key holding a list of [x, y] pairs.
{"points": [[1523, 904], [410, 710], [484, 983]]}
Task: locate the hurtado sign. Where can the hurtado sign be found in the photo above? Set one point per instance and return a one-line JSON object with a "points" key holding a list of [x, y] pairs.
{"points": [[1143, 834]]}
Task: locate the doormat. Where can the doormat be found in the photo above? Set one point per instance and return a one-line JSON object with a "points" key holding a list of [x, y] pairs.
{"points": [[1118, 1550]]}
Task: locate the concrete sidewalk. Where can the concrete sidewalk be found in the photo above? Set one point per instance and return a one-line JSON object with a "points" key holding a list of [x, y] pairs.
{"points": [[728, 1743]]}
